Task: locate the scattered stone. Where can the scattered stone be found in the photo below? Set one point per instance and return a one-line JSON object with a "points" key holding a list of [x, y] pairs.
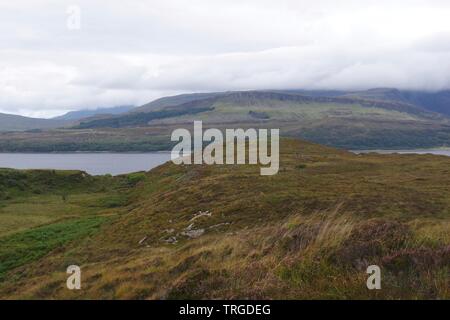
{"points": [[219, 225], [201, 214], [171, 240], [142, 240], [193, 233]]}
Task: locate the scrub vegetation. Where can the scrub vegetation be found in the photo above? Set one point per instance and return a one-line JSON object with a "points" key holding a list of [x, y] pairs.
{"points": [[196, 232]]}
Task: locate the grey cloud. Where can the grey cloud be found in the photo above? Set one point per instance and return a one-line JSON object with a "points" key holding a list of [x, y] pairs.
{"points": [[146, 49]]}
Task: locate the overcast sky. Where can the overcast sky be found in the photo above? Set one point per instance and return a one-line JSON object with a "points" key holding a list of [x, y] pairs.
{"points": [[131, 52]]}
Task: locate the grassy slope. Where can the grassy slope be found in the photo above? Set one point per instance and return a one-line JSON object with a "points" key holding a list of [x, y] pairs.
{"points": [[345, 125], [42, 210], [291, 110], [36, 197], [308, 232], [23, 247]]}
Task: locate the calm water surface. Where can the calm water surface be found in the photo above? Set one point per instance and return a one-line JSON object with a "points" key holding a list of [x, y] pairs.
{"points": [[92, 163], [122, 163]]}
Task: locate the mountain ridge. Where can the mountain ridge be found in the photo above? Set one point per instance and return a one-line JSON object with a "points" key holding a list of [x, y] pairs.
{"points": [[12, 122], [372, 119], [253, 100], [86, 113], [421, 99]]}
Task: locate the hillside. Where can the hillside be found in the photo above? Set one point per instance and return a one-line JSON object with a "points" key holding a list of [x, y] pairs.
{"points": [[93, 140], [438, 101], [341, 121], [11, 122], [174, 101], [278, 106], [433, 101], [201, 232], [85, 113], [372, 119]]}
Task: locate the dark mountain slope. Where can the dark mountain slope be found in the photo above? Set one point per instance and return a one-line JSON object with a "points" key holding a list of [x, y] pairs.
{"points": [[143, 118], [432, 101], [438, 101]]}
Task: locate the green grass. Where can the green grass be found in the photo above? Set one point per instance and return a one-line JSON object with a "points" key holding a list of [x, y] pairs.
{"points": [[21, 214], [37, 197], [25, 247]]}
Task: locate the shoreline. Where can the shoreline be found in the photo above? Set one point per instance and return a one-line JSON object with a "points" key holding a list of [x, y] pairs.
{"points": [[434, 151], [89, 152]]}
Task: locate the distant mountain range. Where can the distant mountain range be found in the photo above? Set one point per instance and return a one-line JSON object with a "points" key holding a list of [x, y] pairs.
{"points": [[375, 118], [432, 101], [293, 106], [11, 122], [81, 114]]}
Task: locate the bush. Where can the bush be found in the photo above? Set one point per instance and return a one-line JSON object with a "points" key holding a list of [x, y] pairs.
{"points": [[370, 241], [417, 259], [135, 178]]}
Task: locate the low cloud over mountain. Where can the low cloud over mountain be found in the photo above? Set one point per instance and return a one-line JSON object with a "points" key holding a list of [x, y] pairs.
{"points": [[151, 49]]}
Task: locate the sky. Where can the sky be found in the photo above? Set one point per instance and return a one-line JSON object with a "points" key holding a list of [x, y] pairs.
{"points": [[58, 55]]}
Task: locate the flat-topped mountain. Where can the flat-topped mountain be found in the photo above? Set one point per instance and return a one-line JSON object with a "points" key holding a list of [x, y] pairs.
{"points": [[438, 101], [254, 106]]}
